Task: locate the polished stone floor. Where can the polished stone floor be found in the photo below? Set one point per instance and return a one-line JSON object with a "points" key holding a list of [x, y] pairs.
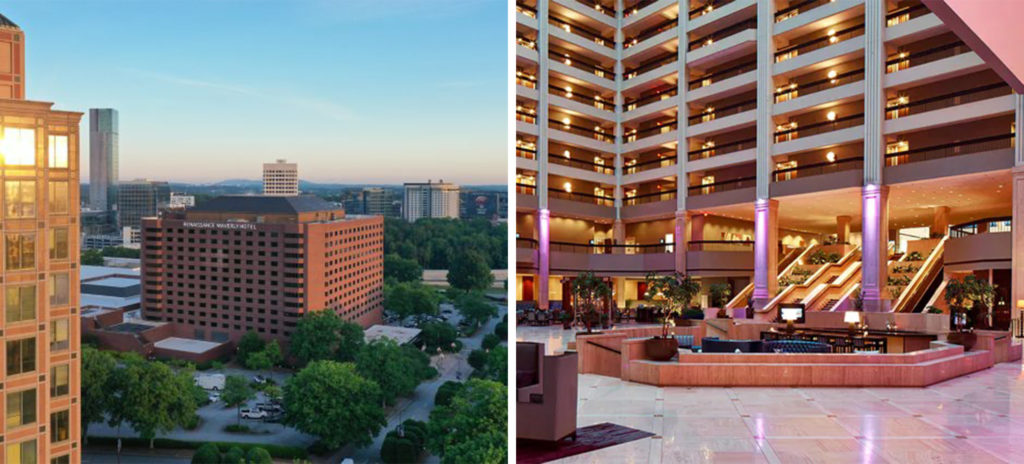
{"points": [[973, 419]]}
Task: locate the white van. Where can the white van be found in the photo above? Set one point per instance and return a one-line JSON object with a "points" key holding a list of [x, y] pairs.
{"points": [[210, 381]]}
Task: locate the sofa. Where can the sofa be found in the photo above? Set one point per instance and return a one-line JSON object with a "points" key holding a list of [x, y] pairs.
{"points": [[546, 393], [796, 346], [714, 345]]}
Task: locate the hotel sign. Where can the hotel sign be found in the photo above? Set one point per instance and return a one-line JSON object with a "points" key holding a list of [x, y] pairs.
{"points": [[220, 225]]}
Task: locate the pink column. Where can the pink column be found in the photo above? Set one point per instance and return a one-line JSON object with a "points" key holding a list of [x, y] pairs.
{"points": [[843, 229], [543, 257], [766, 251], [618, 235], [1017, 255], [875, 231], [680, 241]]}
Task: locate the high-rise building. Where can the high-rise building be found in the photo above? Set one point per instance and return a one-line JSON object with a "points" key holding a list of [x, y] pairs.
{"points": [[259, 263], [378, 201], [181, 200], [430, 200], [730, 140], [280, 178], [40, 378], [103, 158], [140, 198]]}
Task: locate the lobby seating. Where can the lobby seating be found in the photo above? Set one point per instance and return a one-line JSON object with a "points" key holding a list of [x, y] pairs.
{"points": [[546, 393], [714, 345], [685, 341], [796, 346]]}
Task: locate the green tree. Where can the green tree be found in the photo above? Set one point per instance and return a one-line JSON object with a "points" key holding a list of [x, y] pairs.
{"points": [[249, 344], [207, 453], [402, 269], [97, 370], [477, 359], [469, 271], [472, 428], [385, 363], [235, 455], [475, 309], [259, 455], [236, 393], [151, 397], [331, 401], [258, 361], [438, 335], [273, 392], [316, 337], [490, 341], [676, 289], [409, 298], [273, 353], [92, 258], [350, 342], [446, 392]]}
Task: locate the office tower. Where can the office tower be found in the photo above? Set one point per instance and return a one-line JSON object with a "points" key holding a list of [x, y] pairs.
{"points": [[140, 198], [430, 200], [259, 263], [378, 201], [103, 158], [280, 178], [40, 378], [729, 140], [181, 200]]}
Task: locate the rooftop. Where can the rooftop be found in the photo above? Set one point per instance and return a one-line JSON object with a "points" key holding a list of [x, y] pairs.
{"points": [[96, 272], [186, 345], [400, 335], [258, 204], [5, 22]]}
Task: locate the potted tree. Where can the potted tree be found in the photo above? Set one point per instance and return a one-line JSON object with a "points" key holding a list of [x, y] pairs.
{"points": [[964, 297], [720, 294], [566, 319], [677, 290], [589, 290]]}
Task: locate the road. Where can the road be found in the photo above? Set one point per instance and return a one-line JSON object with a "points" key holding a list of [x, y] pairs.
{"points": [[418, 406]]}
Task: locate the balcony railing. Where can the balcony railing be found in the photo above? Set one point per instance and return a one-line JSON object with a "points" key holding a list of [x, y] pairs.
{"points": [[526, 80], [905, 14], [650, 32], [904, 60], [526, 42], [664, 127], [723, 149], [708, 7], [649, 164], [581, 31], [722, 186], [720, 245], [600, 249], [582, 164], [797, 8], [650, 197], [815, 169], [650, 65], [583, 131], [575, 62], [945, 101], [947, 150], [526, 116], [636, 7], [790, 92], [793, 51], [721, 34], [524, 152], [659, 96], [608, 11], [526, 9], [733, 71], [582, 197], [587, 99], [522, 242], [852, 120], [736, 108], [982, 226], [526, 189]]}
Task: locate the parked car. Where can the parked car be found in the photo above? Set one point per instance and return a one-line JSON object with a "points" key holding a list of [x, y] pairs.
{"points": [[252, 414], [270, 407], [214, 397], [210, 381], [259, 379]]}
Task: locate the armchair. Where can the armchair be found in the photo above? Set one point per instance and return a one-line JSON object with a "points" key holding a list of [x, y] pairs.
{"points": [[546, 393]]}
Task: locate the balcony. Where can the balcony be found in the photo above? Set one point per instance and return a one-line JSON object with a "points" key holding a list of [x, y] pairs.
{"points": [[721, 186], [725, 192], [574, 133], [592, 9], [580, 197], [650, 105], [589, 104], [620, 259], [638, 43], [526, 14], [581, 169], [581, 205], [724, 45], [789, 139], [950, 150], [571, 65], [837, 88], [723, 149], [804, 16], [723, 83], [526, 196], [661, 127], [912, 23], [714, 120], [980, 245], [581, 35], [526, 252], [948, 109], [833, 47], [640, 9], [644, 166], [817, 177], [714, 13], [707, 8]]}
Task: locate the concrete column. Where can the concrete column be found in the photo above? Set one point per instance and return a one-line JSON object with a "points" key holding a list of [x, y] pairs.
{"points": [[875, 232], [874, 98], [843, 228], [620, 291], [542, 108], [765, 96], [679, 250], [543, 256], [618, 235], [682, 121], [940, 222], [766, 251], [619, 162], [1017, 254]]}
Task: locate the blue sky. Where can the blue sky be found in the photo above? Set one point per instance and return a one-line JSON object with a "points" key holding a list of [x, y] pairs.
{"points": [[353, 90]]}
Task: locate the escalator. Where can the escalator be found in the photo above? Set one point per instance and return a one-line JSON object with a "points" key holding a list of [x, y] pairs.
{"points": [[924, 278], [806, 283], [785, 264]]}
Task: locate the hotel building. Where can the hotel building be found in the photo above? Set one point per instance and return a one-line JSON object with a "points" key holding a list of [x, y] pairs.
{"points": [[281, 178], [241, 263], [742, 141], [430, 200], [39, 332]]}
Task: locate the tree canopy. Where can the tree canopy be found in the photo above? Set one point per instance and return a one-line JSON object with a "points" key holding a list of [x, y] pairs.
{"points": [[97, 369], [331, 401], [150, 396], [410, 298], [236, 393], [402, 269], [468, 270], [433, 242], [475, 309], [322, 335], [472, 427], [391, 367]]}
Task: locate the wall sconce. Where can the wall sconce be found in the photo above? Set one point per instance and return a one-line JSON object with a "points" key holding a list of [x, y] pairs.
{"points": [[831, 156], [832, 76], [568, 92], [566, 154], [568, 187], [831, 116], [832, 36], [566, 122]]}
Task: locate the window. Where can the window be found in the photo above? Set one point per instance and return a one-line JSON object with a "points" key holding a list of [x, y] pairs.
{"points": [[20, 303], [20, 198], [21, 356], [59, 243], [22, 453], [65, 459], [21, 408], [59, 289], [21, 251], [60, 426], [59, 335], [58, 197], [58, 151], [18, 147], [60, 379]]}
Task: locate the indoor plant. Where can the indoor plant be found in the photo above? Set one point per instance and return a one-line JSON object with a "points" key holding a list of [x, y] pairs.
{"points": [[720, 294], [965, 297], [677, 290], [588, 290]]}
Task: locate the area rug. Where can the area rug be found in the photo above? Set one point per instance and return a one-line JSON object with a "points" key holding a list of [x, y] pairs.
{"points": [[588, 439]]}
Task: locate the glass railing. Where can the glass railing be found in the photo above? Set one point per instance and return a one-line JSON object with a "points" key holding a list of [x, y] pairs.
{"points": [[650, 32], [948, 150], [903, 60], [722, 186], [982, 226], [573, 93], [819, 128], [650, 197], [601, 249], [582, 197], [795, 90], [723, 149], [796, 9], [579, 130], [722, 33], [650, 65], [581, 31], [721, 75], [575, 62], [905, 14], [711, 113], [832, 38], [945, 101], [815, 169], [708, 7], [720, 245], [663, 128], [656, 97], [581, 164]]}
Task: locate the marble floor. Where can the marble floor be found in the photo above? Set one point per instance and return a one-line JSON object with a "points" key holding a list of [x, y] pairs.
{"points": [[973, 419]]}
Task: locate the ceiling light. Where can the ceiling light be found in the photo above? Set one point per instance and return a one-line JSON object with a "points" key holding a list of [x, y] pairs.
{"points": [[832, 74], [831, 156], [831, 115], [568, 187]]}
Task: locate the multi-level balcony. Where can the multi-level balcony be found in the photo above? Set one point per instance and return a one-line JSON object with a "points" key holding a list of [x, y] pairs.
{"points": [[803, 15], [649, 200], [723, 80], [820, 128], [653, 131], [723, 115], [722, 186], [580, 198], [935, 58], [819, 169], [586, 37], [950, 102], [657, 34], [913, 22], [977, 146], [659, 67], [722, 150], [834, 85], [657, 100], [526, 189], [713, 14], [819, 48], [574, 65], [649, 165], [595, 167], [722, 45], [526, 14], [580, 98], [579, 131]]}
